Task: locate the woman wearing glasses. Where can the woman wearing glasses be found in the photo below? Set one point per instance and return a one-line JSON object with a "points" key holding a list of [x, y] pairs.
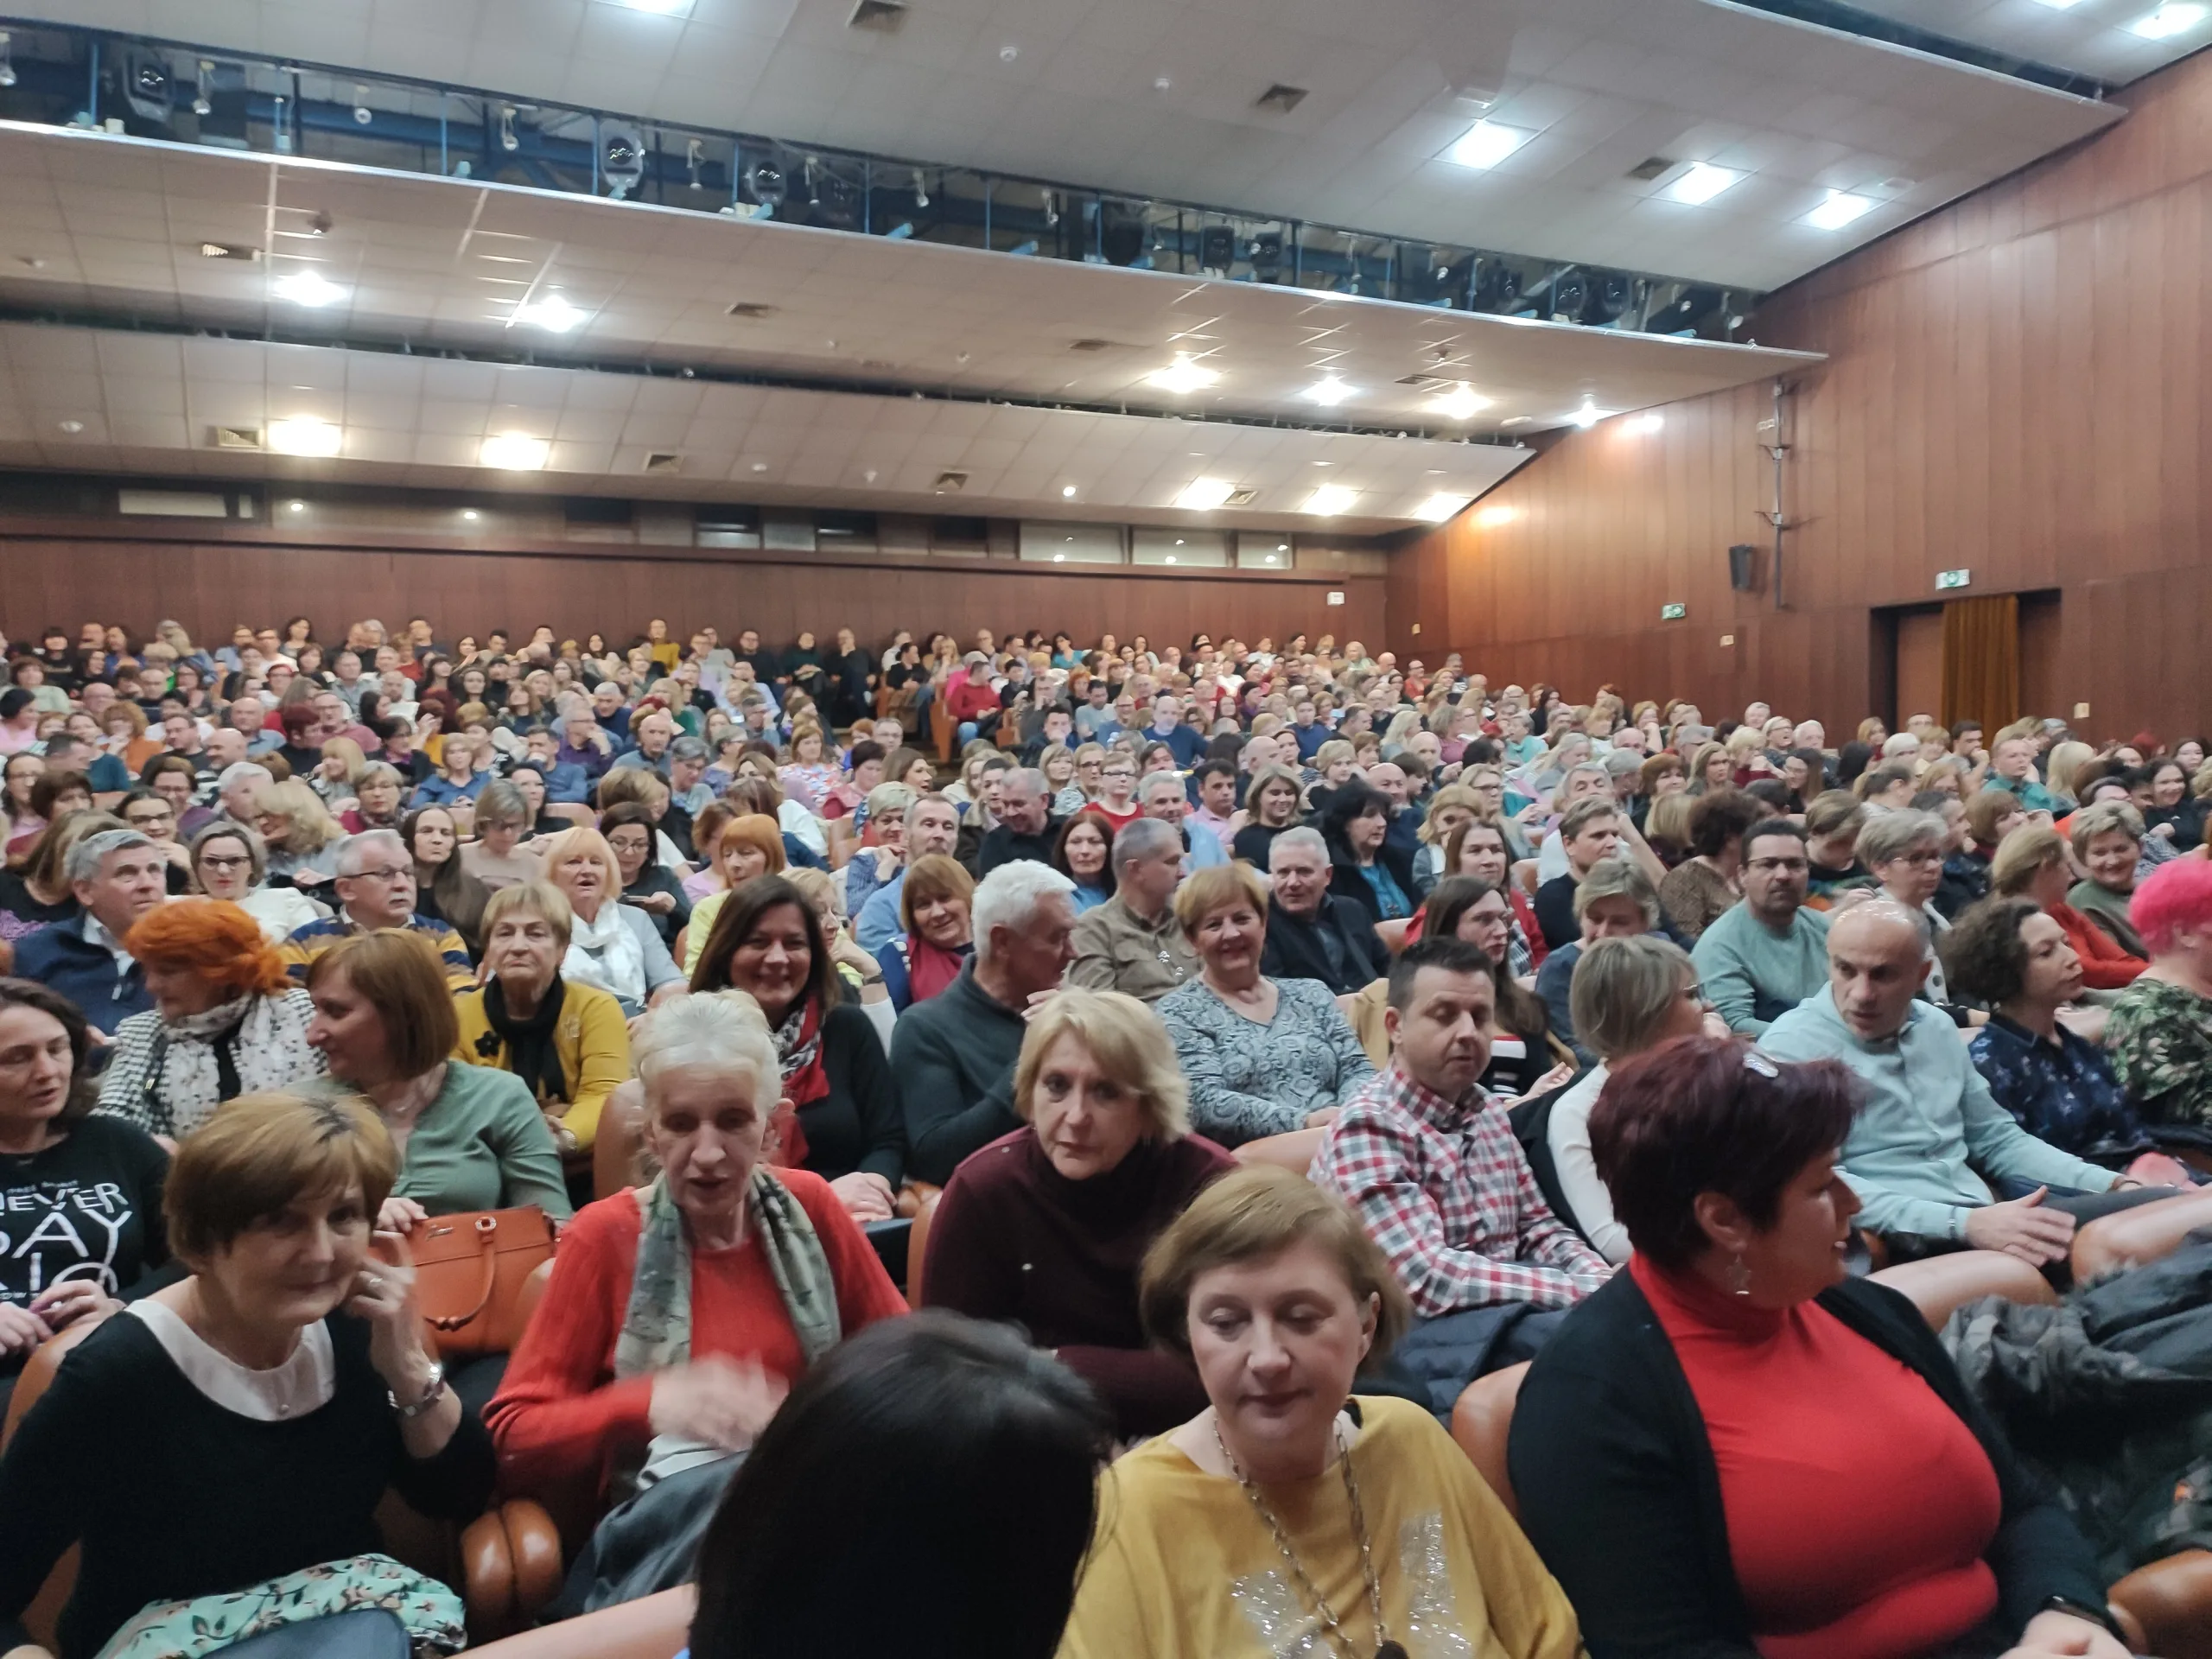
{"points": [[229, 862]]}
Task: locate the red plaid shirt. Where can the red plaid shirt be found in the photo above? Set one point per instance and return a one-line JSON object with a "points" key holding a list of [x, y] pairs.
{"points": [[1443, 1187]]}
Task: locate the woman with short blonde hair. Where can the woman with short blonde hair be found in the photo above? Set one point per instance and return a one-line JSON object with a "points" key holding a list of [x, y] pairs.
{"points": [[1047, 1226], [611, 945], [301, 836]]}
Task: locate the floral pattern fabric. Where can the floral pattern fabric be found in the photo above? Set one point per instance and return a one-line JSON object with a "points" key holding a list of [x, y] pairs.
{"points": [[206, 1624], [2159, 1038]]}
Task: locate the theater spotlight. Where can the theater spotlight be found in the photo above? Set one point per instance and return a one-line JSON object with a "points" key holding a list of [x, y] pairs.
{"points": [[508, 141], [362, 113], [621, 157], [921, 189], [765, 184], [146, 86], [695, 154], [7, 61], [203, 83]]}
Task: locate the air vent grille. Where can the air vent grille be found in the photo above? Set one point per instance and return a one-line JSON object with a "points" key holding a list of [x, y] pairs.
{"points": [[1240, 497], [951, 483], [751, 310], [238, 437], [663, 462], [1280, 98], [1651, 167], [878, 16]]}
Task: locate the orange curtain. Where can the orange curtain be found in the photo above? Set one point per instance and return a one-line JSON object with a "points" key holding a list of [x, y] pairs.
{"points": [[1981, 661]]}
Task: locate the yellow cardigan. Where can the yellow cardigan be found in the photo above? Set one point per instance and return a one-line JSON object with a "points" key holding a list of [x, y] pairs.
{"points": [[593, 1040]]}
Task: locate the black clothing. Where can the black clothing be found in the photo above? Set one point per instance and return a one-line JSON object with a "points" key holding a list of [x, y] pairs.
{"points": [[173, 1496], [1004, 844], [1619, 1493], [657, 877], [1346, 882], [1337, 945], [89, 1207], [1555, 911], [1255, 842], [954, 1057], [857, 1125], [1965, 883]]}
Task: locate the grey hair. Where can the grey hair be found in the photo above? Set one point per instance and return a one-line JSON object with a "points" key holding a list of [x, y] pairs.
{"points": [[930, 798], [1030, 776], [2103, 818], [502, 802], [239, 772], [713, 1030], [1303, 837], [380, 771], [1892, 835], [1616, 878], [1624, 992], [353, 851], [1146, 784], [84, 861], [1142, 838], [889, 801], [1009, 898]]}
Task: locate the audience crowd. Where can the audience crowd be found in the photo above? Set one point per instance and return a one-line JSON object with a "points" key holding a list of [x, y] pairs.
{"points": [[1246, 1047]]}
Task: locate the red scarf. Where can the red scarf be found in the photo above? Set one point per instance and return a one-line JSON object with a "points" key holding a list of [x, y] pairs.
{"points": [[805, 1083], [930, 968]]}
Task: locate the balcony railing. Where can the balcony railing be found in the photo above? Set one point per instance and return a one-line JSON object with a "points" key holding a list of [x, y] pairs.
{"points": [[58, 75]]}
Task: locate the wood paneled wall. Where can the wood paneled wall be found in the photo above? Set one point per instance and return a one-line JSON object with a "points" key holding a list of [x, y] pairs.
{"points": [[210, 582], [2017, 384]]}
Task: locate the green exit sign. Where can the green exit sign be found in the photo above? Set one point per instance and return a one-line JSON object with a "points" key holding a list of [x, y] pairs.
{"points": [[1673, 612], [1951, 578]]}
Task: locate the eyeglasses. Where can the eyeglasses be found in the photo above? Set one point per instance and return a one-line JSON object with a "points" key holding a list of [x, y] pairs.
{"points": [[224, 865], [149, 817], [381, 875]]}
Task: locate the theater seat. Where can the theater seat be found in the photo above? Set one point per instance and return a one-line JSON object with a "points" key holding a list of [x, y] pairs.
{"points": [[2165, 1608], [653, 1627], [918, 1243], [494, 1581]]}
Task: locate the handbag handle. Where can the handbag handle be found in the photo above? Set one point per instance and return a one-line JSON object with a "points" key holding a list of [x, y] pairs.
{"points": [[488, 1228]]}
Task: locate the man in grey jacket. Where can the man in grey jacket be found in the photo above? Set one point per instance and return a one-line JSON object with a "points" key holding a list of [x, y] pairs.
{"points": [[1929, 1123]]}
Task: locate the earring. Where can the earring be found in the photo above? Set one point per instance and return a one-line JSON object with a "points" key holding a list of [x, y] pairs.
{"points": [[1739, 1276]]}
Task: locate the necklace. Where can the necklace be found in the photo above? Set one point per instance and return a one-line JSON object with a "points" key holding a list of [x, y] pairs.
{"points": [[1385, 1649]]}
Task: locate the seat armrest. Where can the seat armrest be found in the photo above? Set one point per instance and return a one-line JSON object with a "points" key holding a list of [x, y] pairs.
{"points": [[2169, 1604], [510, 1568]]}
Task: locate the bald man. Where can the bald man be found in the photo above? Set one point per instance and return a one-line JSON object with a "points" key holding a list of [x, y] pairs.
{"points": [[1929, 1123]]}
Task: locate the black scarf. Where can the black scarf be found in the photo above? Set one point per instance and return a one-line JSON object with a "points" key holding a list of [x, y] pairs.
{"points": [[531, 1054]]}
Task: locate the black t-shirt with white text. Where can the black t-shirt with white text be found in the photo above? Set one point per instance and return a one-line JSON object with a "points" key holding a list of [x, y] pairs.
{"points": [[89, 1207]]}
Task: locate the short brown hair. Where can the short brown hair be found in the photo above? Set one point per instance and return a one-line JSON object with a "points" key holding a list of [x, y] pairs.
{"points": [[400, 974], [540, 898], [1711, 1115], [1721, 815], [1584, 812], [933, 875], [260, 1154], [1250, 1215], [1207, 890], [2023, 855], [84, 1086]]}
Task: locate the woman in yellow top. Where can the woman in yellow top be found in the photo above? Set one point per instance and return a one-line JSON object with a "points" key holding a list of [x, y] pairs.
{"points": [[568, 1041], [1289, 1517]]}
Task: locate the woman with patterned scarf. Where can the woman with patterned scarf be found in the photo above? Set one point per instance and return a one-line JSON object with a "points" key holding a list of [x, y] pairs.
{"points": [[226, 1020], [845, 1123], [679, 1314]]}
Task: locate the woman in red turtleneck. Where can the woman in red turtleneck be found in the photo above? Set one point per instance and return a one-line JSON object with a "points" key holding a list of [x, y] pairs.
{"points": [[1733, 1449]]}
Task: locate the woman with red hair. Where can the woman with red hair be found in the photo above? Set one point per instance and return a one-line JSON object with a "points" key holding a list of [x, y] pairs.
{"points": [[226, 1020]]}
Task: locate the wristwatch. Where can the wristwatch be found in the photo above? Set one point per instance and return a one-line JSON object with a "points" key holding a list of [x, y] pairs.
{"points": [[432, 1393], [2095, 1613]]}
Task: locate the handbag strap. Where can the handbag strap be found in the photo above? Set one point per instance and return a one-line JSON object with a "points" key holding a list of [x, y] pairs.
{"points": [[487, 1233]]}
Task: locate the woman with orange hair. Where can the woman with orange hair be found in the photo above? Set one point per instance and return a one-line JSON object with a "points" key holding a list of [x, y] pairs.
{"points": [[749, 845], [225, 1021]]}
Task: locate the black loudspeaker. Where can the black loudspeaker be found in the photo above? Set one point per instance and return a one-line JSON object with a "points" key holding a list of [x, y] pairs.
{"points": [[1741, 570], [1217, 248]]}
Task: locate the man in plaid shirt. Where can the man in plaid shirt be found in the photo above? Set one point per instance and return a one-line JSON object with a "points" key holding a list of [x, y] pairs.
{"points": [[1430, 1163]]}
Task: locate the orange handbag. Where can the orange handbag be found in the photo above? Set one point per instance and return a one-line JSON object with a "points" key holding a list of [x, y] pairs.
{"points": [[469, 1271]]}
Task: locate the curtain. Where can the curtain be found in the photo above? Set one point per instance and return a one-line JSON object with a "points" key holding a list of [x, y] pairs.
{"points": [[1981, 661]]}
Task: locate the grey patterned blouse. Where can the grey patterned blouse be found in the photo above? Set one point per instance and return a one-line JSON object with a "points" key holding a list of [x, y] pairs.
{"points": [[1248, 1080]]}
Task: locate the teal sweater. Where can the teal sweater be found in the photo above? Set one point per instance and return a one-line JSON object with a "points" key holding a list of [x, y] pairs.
{"points": [[1753, 976], [482, 1144], [1927, 1116]]}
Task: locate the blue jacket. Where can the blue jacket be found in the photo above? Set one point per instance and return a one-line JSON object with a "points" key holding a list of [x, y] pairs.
{"points": [[63, 960], [567, 782]]}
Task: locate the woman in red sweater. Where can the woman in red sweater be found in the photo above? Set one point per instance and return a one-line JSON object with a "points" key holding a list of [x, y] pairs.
{"points": [[2033, 863], [680, 1313], [1048, 1226]]}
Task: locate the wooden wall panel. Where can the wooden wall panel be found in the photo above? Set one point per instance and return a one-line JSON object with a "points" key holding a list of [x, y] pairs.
{"points": [[211, 585], [2016, 384]]}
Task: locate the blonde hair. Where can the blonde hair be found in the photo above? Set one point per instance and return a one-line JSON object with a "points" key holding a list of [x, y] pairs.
{"points": [[540, 898], [2023, 855], [1130, 1045], [585, 839], [1624, 992], [1450, 795], [258, 1154], [312, 828], [933, 875], [1218, 885], [2104, 816]]}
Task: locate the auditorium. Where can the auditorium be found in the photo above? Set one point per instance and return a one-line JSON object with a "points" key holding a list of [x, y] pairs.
{"points": [[1497, 708]]}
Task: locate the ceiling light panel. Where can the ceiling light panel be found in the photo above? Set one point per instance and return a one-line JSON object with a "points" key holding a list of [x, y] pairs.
{"points": [[515, 452], [2168, 21], [1842, 208], [303, 437], [550, 313], [1204, 494], [1330, 500], [1702, 183], [309, 287], [1182, 376], [1439, 507], [1329, 390], [1485, 144], [1462, 402]]}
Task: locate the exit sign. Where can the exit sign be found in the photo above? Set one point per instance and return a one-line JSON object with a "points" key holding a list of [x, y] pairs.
{"points": [[1673, 612], [1951, 578]]}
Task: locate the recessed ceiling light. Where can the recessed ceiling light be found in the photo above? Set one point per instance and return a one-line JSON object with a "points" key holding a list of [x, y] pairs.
{"points": [[72, 428], [1462, 402], [1486, 144], [1282, 547], [1842, 207], [1439, 507], [296, 507], [1181, 376], [515, 452], [1171, 557], [1270, 559], [1330, 500], [1702, 183], [1203, 494], [1178, 541], [302, 436], [1067, 491], [2168, 21], [759, 466], [1330, 391], [306, 287], [552, 313], [1059, 558], [1589, 415]]}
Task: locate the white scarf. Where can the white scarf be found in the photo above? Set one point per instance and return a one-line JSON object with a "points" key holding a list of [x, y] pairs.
{"points": [[269, 1050], [606, 954]]}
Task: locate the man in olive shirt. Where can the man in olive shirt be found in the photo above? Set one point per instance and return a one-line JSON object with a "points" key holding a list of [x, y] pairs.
{"points": [[1132, 943]]}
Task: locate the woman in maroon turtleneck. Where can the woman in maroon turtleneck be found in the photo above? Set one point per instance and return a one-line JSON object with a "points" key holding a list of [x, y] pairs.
{"points": [[1046, 1227], [1733, 1449]]}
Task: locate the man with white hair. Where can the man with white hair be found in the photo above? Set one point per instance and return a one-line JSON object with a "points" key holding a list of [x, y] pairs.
{"points": [[954, 1054], [375, 886], [1025, 829], [236, 787], [1310, 933], [1166, 799], [117, 875], [1132, 943]]}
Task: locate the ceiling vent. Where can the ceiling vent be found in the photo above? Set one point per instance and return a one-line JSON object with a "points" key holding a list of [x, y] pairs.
{"points": [[1280, 99], [666, 462], [951, 483], [751, 310], [229, 251], [1239, 498], [1421, 380], [1096, 346], [878, 16], [1650, 167], [238, 437]]}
